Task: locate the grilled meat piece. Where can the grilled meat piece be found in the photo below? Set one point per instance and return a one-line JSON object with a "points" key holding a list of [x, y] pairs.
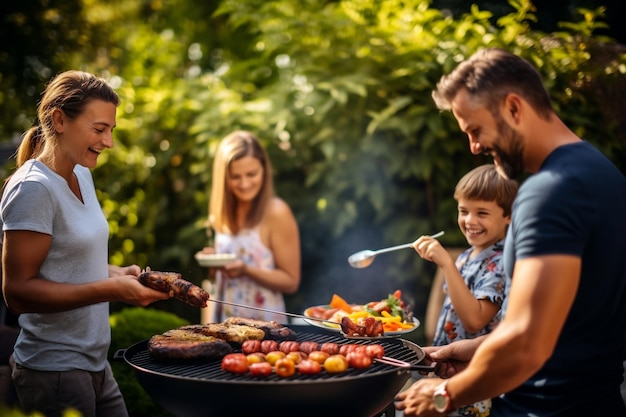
{"points": [[369, 327], [273, 330], [233, 333], [173, 283], [186, 345]]}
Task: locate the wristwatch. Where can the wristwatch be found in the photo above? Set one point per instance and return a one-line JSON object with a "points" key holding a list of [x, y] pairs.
{"points": [[441, 398]]}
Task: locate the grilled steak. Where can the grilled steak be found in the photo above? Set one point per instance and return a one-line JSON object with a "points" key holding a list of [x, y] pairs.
{"points": [[233, 333], [272, 329], [213, 340], [187, 345], [173, 283]]}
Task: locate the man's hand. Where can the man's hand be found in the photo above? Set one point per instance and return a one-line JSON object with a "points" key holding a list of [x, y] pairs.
{"points": [[453, 358], [417, 400]]}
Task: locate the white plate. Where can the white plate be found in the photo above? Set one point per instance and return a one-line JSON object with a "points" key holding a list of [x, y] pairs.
{"points": [[337, 328], [214, 259]]}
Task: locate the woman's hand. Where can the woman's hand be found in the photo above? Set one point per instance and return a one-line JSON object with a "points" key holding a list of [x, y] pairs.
{"points": [[129, 290], [235, 268], [118, 271], [207, 250]]}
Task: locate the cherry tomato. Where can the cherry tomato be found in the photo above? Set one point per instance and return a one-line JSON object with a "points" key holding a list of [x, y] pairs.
{"points": [[285, 367], [274, 356], [359, 360], [296, 357], [261, 369], [255, 357], [318, 356], [269, 346], [309, 367], [289, 346], [235, 362], [308, 346], [251, 346], [330, 348], [375, 351], [397, 294], [336, 364]]}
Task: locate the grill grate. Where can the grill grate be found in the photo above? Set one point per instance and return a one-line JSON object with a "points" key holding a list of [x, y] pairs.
{"points": [[211, 371]]}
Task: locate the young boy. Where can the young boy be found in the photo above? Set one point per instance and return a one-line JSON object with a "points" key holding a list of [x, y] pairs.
{"points": [[474, 285]]}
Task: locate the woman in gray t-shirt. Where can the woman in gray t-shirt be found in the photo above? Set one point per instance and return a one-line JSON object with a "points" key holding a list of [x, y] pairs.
{"points": [[55, 257]]}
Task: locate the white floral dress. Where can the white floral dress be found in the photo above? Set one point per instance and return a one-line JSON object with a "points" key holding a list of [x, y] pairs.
{"points": [[248, 247]]}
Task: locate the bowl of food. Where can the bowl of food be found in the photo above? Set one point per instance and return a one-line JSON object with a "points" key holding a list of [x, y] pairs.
{"points": [[211, 260], [396, 318]]}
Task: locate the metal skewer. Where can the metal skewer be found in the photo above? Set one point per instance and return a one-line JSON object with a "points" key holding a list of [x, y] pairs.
{"points": [[266, 310]]}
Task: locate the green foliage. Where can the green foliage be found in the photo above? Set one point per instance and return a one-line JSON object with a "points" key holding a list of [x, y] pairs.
{"points": [[340, 93], [380, 161], [130, 326]]}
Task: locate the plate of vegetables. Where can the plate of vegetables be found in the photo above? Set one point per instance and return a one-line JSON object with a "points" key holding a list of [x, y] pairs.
{"points": [[396, 318]]}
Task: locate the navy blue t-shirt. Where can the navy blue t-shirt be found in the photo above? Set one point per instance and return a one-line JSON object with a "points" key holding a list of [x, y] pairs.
{"points": [[576, 205]]}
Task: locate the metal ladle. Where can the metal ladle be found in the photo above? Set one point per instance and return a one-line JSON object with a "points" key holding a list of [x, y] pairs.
{"points": [[364, 258]]}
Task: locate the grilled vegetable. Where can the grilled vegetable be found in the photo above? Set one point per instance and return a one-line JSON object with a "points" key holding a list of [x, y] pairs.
{"points": [[309, 367], [336, 364], [274, 356], [285, 367], [236, 363], [318, 356], [260, 369]]}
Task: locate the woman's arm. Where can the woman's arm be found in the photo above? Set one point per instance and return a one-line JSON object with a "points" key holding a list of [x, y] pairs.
{"points": [[25, 291]]}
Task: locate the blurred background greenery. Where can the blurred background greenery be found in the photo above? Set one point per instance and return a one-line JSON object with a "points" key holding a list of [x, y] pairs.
{"points": [[339, 92]]}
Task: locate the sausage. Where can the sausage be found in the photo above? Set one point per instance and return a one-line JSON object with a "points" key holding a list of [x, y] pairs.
{"points": [[289, 346], [330, 348], [359, 360], [345, 349], [375, 351], [308, 346], [269, 346], [251, 346]]}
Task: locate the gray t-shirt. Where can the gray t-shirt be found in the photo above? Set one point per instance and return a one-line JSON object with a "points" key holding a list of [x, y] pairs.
{"points": [[37, 199]]}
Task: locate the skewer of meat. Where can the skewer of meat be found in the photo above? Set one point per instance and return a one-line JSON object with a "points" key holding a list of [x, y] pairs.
{"points": [[370, 327], [173, 283]]}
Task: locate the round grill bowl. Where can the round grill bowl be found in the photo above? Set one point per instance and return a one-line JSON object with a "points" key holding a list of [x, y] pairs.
{"points": [[202, 389]]}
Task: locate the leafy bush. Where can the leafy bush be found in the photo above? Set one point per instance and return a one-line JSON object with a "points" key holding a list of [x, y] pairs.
{"points": [[340, 94], [130, 326]]}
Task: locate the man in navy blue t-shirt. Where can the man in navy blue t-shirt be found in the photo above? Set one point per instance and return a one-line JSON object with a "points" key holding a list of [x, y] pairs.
{"points": [[559, 349]]}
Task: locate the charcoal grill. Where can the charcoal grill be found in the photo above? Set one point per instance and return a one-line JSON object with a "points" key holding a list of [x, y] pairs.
{"points": [[203, 389]]}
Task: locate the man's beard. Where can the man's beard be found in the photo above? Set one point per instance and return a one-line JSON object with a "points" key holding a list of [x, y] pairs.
{"points": [[511, 162]]}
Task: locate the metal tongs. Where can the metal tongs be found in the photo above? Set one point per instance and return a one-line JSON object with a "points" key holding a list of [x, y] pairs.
{"points": [[407, 365]]}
